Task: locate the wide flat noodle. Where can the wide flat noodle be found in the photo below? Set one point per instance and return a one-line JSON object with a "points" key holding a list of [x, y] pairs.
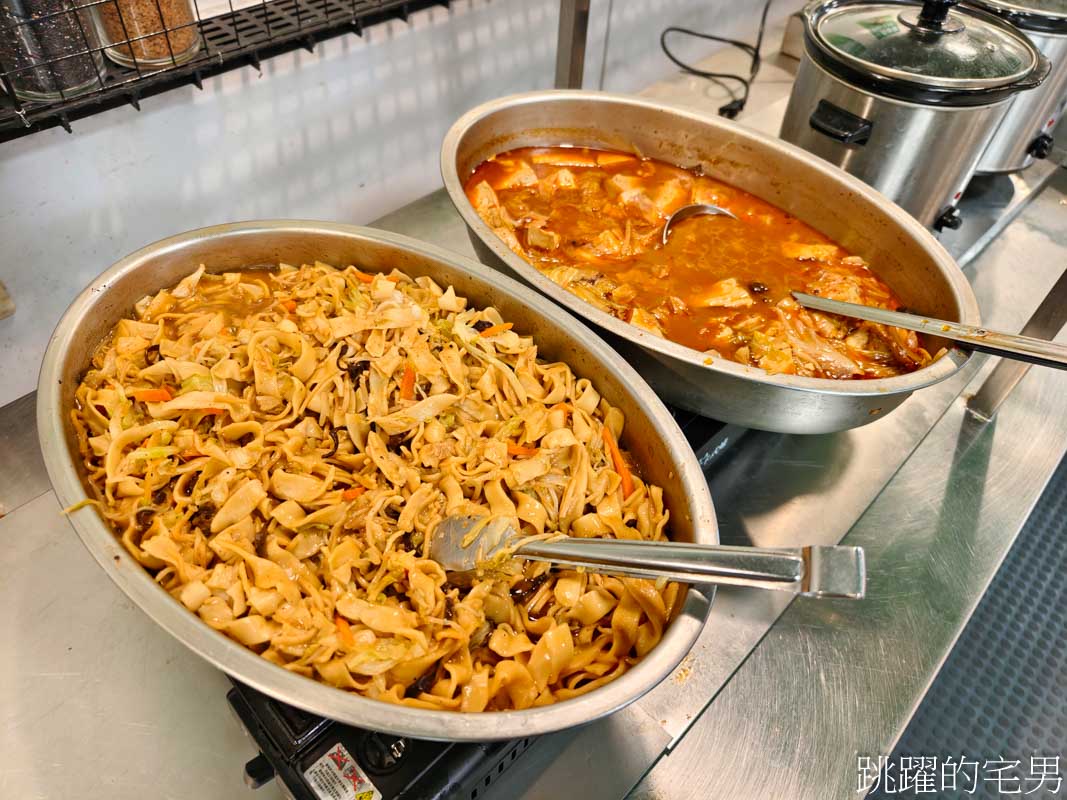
{"points": [[277, 447]]}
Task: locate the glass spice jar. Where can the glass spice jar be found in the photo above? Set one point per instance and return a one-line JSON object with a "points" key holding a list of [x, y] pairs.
{"points": [[149, 33], [49, 49]]}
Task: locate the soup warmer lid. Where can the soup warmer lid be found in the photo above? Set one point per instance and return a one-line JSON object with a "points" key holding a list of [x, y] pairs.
{"points": [[1038, 16], [933, 53]]}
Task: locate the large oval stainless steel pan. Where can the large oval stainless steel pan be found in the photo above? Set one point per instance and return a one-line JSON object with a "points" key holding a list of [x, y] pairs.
{"points": [[651, 434], [865, 222]]}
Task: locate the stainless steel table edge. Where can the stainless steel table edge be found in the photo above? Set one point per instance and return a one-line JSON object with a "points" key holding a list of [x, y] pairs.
{"points": [[22, 473], [658, 722], [766, 695]]}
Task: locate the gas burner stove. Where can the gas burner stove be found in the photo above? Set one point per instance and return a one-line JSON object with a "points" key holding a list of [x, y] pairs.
{"points": [[313, 758], [318, 759]]}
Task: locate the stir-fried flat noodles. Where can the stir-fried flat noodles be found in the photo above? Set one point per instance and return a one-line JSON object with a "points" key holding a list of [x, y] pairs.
{"points": [[276, 448], [592, 221]]}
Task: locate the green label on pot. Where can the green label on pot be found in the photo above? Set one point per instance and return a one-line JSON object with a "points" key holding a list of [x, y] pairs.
{"points": [[881, 27], [846, 44]]}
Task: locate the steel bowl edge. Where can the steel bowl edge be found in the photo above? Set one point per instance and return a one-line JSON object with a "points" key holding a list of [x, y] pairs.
{"points": [[900, 248], [96, 309]]}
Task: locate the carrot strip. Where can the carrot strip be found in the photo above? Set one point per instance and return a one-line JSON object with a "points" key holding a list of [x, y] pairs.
{"points": [[348, 495], [493, 330], [407, 383], [618, 463], [344, 631], [520, 450], [186, 455], [289, 305], [368, 278], [160, 395], [213, 410]]}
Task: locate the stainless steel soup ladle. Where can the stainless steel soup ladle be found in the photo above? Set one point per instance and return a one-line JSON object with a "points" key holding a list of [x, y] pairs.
{"points": [[983, 340], [1007, 345], [694, 210]]}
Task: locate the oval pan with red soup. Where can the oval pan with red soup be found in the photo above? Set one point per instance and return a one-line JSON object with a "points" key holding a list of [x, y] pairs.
{"points": [[592, 221]]}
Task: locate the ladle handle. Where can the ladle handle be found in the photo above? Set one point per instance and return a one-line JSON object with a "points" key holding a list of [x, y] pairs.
{"points": [[1007, 345], [814, 571]]}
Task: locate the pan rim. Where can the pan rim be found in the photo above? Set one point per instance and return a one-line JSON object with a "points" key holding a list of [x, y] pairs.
{"points": [[948, 364], [309, 695]]}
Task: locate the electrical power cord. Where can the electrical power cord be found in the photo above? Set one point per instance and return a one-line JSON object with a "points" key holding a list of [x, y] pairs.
{"points": [[737, 104]]}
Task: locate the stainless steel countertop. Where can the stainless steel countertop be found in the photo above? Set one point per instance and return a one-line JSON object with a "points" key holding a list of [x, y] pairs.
{"points": [[835, 680], [927, 482], [90, 687]]}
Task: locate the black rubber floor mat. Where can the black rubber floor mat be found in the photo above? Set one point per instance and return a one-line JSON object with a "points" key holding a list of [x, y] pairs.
{"points": [[998, 707]]}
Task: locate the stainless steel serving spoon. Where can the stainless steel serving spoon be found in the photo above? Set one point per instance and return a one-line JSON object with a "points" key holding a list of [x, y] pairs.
{"points": [[1007, 345], [815, 571], [694, 210]]}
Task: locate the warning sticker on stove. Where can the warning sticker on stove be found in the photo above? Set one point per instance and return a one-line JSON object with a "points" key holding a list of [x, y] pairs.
{"points": [[337, 776]]}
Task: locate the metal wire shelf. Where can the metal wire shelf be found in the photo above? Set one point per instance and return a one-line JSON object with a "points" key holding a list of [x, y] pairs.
{"points": [[236, 38]]}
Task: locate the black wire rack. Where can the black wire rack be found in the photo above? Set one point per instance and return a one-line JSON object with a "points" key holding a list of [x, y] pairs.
{"points": [[58, 57]]}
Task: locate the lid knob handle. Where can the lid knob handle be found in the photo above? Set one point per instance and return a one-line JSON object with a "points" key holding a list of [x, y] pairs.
{"points": [[933, 14]]}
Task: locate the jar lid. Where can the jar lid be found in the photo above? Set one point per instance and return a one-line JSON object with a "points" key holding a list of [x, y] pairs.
{"points": [[1045, 16], [900, 44]]}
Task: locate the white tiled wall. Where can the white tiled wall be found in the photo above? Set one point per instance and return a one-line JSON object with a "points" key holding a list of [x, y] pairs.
{"points": [[347, 133]]}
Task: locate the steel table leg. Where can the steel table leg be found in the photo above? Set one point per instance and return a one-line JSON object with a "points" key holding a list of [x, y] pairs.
{"points": [[570, 46], [1045, 323]]}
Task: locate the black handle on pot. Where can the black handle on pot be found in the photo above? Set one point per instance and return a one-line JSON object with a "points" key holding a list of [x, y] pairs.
{"points": [[844, 126], [933, 14], [1037, 74], [1041, 147], [950, 218]]}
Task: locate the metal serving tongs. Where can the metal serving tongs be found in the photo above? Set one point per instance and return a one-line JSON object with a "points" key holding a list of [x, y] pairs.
{"points": [[1007, 345], [461, 544]]}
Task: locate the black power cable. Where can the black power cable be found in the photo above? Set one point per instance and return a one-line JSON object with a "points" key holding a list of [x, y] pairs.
{"points": [[736, 105]]}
